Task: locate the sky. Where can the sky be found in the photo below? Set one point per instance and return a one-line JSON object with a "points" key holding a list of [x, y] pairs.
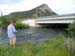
{"points": [[58, 6]]}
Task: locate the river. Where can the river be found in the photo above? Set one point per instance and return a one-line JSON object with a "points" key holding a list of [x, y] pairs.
{"points": [[33, 34]]}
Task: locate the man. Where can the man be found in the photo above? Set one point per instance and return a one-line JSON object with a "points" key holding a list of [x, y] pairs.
{"points": [[11, 33]]}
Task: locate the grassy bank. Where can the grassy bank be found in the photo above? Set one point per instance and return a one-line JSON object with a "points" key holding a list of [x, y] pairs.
{"points": [[53, 47]]}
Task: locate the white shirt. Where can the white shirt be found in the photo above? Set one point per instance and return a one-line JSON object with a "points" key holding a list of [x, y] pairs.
{"points": [[11, 31]]}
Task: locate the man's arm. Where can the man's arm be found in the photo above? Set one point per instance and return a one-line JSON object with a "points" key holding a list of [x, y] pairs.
{"points": [[14, 30]]}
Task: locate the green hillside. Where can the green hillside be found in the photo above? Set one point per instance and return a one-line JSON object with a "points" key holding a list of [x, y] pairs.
{"points": [[42, 10]]}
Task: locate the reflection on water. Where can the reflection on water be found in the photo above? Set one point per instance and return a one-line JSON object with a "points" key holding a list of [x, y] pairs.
{"points": [[34, 34]]}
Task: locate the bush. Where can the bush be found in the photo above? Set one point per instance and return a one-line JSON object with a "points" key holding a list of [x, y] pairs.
{"points": [[72, 27], [5, 23], [19, 25], [0, 25]]}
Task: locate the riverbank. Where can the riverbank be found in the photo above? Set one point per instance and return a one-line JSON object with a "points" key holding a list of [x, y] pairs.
{"points": [[53, 47]]}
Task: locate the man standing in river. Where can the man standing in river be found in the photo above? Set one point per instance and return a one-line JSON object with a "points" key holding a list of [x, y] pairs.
{"points": [[11, 33]]}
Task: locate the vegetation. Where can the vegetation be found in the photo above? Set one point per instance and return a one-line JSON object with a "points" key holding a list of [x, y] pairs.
{"points": [[54, 47], [72, 27], [71, 30], [18, 24], [71, 41]]}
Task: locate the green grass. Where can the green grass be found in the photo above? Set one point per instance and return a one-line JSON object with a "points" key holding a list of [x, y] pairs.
{"points": [[53, 47]]}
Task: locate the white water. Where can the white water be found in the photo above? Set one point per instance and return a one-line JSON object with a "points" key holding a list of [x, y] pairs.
{"points": [[30, 22]]}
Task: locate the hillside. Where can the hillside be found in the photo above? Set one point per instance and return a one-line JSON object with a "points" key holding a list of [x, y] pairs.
{"points": [[42, 10]]}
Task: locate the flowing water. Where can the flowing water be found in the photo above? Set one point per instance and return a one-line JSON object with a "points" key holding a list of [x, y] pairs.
{"points": [[33, 34]]}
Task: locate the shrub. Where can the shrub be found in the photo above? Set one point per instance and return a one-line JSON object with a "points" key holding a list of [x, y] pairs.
{"points": [[20, 25], [17, 24], [72, 27]]}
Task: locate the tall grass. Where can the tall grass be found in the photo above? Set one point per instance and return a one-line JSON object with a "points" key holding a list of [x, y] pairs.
{"points": [[54, 47]]}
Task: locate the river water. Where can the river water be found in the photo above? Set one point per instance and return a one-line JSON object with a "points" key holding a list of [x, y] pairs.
{"points": [[33, 34]]}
